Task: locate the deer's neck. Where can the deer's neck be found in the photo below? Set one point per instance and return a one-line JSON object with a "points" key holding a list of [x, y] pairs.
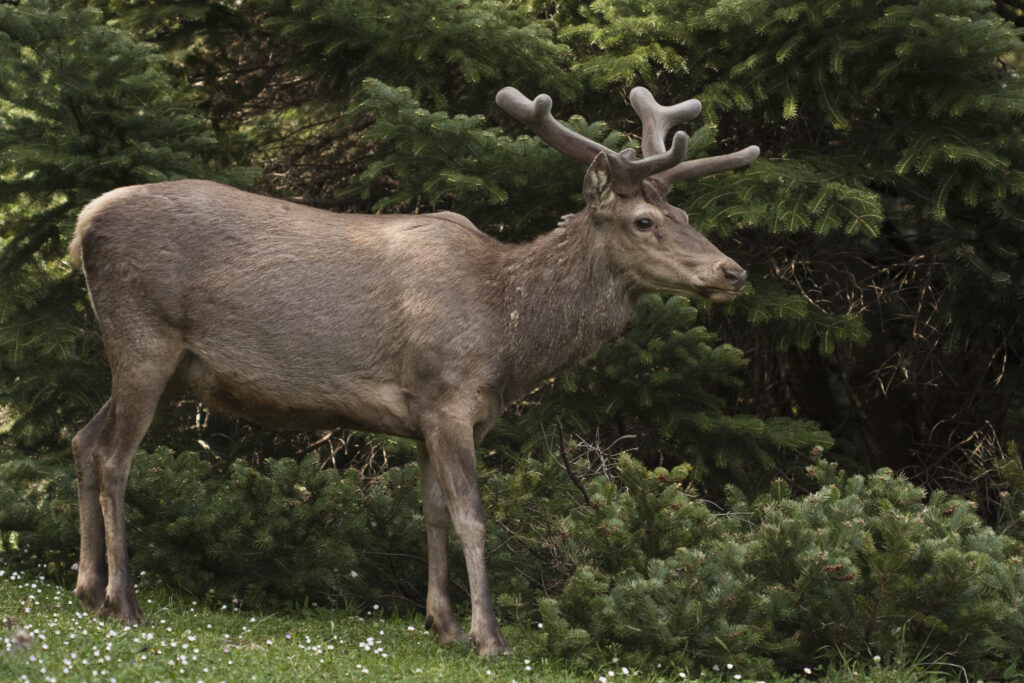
{"points": [[563, 300]]}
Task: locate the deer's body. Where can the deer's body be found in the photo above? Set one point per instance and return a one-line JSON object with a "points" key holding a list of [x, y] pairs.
{"points": [[308, 319], [414, 325]]}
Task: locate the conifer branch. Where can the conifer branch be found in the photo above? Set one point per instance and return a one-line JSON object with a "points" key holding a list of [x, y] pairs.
{"points": [[568, 465]]}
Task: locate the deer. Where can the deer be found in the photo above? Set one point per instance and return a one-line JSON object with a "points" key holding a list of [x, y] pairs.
{"points": [[414, 325]]}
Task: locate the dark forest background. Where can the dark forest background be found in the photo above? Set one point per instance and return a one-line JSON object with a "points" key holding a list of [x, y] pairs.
{"points": [[880, 333]]}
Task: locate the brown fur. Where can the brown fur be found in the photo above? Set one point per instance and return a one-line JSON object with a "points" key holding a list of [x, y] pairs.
{"points": [[414, 325]]}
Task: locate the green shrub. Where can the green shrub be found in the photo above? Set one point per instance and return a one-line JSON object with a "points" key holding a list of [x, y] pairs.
{"points": [[616, 560], [40, 508], [287, 531], [861, 566], [870, 564]]}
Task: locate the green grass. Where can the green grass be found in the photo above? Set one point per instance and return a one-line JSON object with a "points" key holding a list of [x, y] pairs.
{"points": [[46, 636]]}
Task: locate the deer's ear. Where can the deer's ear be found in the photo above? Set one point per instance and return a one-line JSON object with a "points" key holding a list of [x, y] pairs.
{"points": [[597, 186]]}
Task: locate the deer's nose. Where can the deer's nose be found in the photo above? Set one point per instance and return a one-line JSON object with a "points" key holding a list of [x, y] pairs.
{"points": [[734, 275]]}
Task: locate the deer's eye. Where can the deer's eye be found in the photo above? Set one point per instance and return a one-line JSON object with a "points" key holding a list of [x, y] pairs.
{"points": [[643, 223]]}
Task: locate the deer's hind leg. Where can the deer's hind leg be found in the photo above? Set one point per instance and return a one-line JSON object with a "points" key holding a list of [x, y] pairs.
{"points": [[141, 367], [440, 614], [92, 562]]}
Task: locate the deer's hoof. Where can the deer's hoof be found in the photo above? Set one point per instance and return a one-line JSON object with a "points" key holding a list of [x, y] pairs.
{"points": [[491, 645], [125, 610], [91, 596], [446, 630]]}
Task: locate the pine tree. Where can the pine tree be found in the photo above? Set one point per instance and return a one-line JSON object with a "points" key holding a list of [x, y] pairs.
{"points": [[884, 221], [84, 108], [289, 73]]}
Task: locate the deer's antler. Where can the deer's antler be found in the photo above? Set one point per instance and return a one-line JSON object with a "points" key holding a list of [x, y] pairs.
{"points": [[627, 170], [665, 165]]}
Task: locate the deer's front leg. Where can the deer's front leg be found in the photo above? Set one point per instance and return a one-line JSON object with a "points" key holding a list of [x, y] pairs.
{"points": [[450, 449], [440, 615]]}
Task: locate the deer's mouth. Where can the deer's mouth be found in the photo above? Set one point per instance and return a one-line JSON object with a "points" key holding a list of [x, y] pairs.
{"points": [[714, 294], [718, 296]]}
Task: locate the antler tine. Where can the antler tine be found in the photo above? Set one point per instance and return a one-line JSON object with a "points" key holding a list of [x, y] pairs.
{"points": [[536, 114], [698, 168], [658, 120], [629, 172]]}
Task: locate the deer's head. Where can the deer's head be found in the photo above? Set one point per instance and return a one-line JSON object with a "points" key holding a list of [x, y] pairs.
{"points": [[646, 237]]}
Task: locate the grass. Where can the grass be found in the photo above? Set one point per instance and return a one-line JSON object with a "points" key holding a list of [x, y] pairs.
{"points": [[46, 636]]}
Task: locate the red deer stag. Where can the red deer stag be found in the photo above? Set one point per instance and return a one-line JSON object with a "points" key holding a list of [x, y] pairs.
{"points": [[419, 326]]}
